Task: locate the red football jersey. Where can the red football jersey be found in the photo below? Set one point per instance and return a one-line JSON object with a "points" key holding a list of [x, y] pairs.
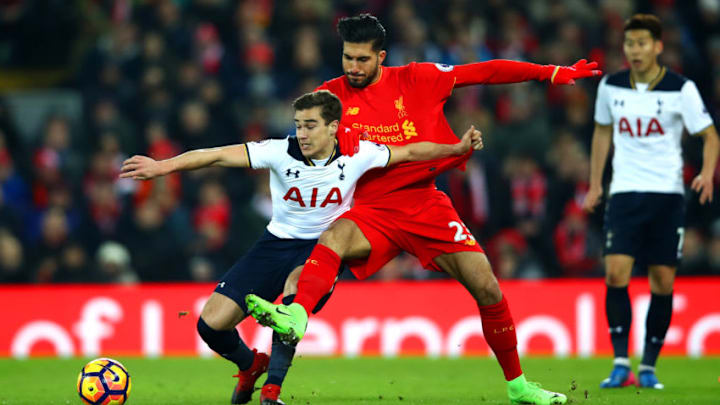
{"points": [[404, 106]]}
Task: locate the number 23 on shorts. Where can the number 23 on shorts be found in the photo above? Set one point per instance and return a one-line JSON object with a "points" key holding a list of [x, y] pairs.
{"points": [[462, 234]]}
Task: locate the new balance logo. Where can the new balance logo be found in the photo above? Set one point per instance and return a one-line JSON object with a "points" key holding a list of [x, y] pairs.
{"points": [[289, 172]]}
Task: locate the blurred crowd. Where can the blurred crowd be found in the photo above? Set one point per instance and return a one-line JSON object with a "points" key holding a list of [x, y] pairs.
{"points": [[158, 77]]}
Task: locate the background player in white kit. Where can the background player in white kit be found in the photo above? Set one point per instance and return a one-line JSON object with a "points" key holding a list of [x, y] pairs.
{"points": [[311, 184], [643, 110]]}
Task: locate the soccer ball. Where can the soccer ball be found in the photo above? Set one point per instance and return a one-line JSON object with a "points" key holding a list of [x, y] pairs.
{"points": [[104, 382]]}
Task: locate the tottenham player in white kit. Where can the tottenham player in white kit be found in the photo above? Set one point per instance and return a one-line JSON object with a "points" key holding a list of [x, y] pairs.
{"points": [[643, 111], [311, 184]]}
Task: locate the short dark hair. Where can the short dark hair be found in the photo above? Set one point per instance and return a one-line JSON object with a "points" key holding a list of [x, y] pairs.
{"points": [[645, 22], [330, 103], [362, 28]]}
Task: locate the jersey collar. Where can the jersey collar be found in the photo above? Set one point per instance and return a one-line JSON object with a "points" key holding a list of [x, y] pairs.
{"points": [[654, 82], [295, 152]]}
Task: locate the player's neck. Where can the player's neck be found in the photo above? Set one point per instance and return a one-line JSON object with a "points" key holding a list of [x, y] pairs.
{"points": [[648, 75], [325, 153], [378, 75]]}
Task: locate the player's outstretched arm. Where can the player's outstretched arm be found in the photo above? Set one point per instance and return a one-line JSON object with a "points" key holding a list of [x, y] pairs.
{"points": [[501, 71], [703, 182], [602, 136], [145, 168], [472, 139]]}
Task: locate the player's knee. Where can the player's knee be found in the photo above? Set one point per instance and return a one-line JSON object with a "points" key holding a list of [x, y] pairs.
{"points": [[209, 319], [203, 329], [335, 239], [617, 274], [616, 279], [218, 317], [663, 288], [481, 283], [662, 283]]}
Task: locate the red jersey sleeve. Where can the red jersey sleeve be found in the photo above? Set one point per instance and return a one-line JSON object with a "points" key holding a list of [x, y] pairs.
{"points": [[432, 81]]}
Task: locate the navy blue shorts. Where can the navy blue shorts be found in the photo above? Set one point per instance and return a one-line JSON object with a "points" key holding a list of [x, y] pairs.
{"points": [[646, 226], [264, 269]]}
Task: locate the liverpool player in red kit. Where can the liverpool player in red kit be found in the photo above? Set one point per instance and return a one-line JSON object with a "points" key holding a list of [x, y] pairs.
{"points": [[399, 209]]}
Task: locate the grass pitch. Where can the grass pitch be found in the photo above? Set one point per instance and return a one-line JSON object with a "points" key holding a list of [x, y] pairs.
{"points": [[363, 381]]}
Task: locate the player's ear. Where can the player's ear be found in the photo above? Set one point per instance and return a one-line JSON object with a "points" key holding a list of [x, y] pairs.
{"points": [[334, 127], [381, 56], [658, 47]]}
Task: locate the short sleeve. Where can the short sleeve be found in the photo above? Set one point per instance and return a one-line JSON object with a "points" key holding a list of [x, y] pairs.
{"points": [[434, 81], [602, 105], [694, 114], [264, 154], [372, 155]]}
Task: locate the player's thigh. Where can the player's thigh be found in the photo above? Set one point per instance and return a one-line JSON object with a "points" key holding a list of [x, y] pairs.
{"points": [[264, 269], [662, 278], [626, 219], [473, 271], [666, 230], [221, 312], [618, 269], [346, 239]]}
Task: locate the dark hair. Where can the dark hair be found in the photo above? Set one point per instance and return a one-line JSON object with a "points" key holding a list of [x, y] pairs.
{"points": [[645, 22], [362, 28], [330, 103]]}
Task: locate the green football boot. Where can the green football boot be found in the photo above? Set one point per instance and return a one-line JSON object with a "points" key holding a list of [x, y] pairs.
{"points": [[521, 391], [289, 321]]}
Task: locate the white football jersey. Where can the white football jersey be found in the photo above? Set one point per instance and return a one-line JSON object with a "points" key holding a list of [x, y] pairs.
{"points": [[307, 198], [648, 122]]}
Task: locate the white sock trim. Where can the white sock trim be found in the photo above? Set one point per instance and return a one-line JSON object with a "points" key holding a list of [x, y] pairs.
{"points": [[645, 367], [622, 361]]}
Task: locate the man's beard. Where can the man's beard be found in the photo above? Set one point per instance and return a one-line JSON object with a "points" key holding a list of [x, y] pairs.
{"points": [[365, 82]]}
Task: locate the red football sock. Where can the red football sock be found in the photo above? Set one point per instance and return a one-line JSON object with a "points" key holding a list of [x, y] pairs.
{"points": [[317, 277], [499, 331]]}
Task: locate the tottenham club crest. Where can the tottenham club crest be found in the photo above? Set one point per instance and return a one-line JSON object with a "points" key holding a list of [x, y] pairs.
{"points": [[341, 166]]}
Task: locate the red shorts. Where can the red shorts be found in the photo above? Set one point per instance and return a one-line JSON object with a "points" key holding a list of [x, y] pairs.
{"points": [[428, 226]]}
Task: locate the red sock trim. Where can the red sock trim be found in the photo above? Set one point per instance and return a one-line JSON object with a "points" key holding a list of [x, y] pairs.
{"points": [[500, 335], [317, 277]]}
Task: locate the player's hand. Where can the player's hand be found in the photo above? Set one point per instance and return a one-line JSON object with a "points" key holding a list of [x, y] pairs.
{"points": [[141, 168], [704, 185], [472, 138], [592, 199], [348, 140], [568, 74]]}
